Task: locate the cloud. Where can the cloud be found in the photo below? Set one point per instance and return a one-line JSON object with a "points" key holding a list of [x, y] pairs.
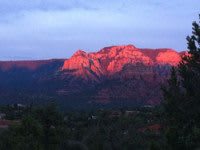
{"points": [[56, 28]]}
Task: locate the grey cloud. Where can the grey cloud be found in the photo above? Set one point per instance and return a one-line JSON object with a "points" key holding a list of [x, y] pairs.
{"points": [[56, 28], [15, 6]]}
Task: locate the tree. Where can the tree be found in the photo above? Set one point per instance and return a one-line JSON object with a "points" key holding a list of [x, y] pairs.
{"points": [[41, 129], [182, 98], [52, 124], [25, 136]]}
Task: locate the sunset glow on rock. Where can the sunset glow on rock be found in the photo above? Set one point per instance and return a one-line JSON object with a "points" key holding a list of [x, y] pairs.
{"points": [[168, 57], [113, 73], [110, 60]]}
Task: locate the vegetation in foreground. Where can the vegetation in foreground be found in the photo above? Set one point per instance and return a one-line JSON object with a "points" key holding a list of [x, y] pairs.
{"points": [[47, 129], [182, 99]]}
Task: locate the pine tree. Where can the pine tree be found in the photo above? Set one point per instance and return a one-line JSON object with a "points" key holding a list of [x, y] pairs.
{"points": [[182, 98]]}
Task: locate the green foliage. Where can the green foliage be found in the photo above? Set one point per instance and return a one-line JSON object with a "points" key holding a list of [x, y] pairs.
{"points": [[46, 129], [182, 98], [26, 136], [41, 129], [154, 146]]}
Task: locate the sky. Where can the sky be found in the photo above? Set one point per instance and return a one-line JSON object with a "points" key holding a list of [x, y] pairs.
{"points": [[44, 29]]}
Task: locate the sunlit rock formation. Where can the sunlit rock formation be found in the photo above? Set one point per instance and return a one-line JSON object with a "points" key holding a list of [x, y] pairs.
{"points": [[111, 60]]}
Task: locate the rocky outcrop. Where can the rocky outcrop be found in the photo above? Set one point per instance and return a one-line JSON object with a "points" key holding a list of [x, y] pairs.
{"points": [[111, 60], [116, 75]]}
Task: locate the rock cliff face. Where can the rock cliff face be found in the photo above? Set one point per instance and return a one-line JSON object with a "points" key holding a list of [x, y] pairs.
{"points": [[122, 73], [111, 60], [114, 76]]}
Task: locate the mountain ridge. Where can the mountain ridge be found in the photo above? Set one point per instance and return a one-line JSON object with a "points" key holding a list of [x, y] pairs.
{"points": [[110, 60], [113, 76]]}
